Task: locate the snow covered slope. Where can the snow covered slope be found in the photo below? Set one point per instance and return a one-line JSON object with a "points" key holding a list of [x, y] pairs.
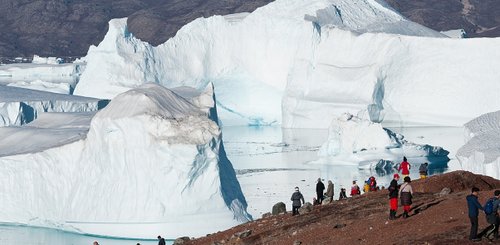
{"points": [[251, 60], [152, 163], [481, 154], [19, 106]]}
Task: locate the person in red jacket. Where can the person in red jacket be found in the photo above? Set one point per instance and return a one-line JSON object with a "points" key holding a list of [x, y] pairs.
{"points": [[404, 167], [355, 189]]}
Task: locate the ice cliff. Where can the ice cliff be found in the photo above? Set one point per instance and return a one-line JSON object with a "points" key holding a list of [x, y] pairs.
{"points": [[481, 153], [304, 63], [151, 163]]}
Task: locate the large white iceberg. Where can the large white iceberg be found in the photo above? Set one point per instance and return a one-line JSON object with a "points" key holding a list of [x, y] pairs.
{"points": [[303, 63], [481, 153], [358, 141], [151, 163]]}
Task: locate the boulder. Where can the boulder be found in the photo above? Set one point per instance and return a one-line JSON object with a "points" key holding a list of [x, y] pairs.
{"points": [[279, 208], [182, 240], [306, 208]]}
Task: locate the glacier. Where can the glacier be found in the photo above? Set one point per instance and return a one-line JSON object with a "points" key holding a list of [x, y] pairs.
{"points": [[301, 64], [151, 162], [481, 153]]}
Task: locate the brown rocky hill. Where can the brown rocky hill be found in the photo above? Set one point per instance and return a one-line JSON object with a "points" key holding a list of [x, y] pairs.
{"points": [[479, 18], [434, 219], [66, 28]]}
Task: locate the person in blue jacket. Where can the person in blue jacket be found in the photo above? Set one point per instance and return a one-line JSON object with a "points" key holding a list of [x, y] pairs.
{"points": [[474, 207]]}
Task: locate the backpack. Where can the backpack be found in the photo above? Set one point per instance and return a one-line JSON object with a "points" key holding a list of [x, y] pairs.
{"points": [[488, 207]]}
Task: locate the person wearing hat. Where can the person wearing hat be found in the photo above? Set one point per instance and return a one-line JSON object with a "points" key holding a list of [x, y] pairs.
{"points": [[296, 198], [393, 197], [406, 194]]}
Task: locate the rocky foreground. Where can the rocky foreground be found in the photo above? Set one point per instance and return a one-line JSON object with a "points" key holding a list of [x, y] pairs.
{"points": [[437, 217]]}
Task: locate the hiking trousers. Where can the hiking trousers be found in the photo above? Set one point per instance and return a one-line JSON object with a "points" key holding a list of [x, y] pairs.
{"points": [[473, 227], [394, 203]]}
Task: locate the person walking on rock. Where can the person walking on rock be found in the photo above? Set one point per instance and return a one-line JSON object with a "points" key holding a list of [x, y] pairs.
{"points": [[320, 187], [355, 189], [404, 167], [329, 191], [296, 201], [491, 211], [393, 197], [406, 195], [473, 206], [423, 169]]}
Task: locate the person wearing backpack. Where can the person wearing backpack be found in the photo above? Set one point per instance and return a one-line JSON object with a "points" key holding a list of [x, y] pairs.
{"points": [[473, 206], [423, 169], [491, 211], [393, 197], [406, 194]]}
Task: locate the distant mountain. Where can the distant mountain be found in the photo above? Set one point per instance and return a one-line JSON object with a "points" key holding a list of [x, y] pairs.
{"points": [[66, 28], [479, 18]]}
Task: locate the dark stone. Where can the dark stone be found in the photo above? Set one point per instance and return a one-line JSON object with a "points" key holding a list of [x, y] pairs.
{"points": [[279, 208]]}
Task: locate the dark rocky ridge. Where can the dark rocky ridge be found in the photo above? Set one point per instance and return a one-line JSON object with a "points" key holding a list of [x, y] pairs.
{"points": [[66, 28], [479, 18]]}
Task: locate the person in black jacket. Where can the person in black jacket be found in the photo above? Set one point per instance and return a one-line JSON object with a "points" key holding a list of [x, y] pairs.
{"points": [[296, 198], [473, 205], [320, 187], [393, 197], [161, 240]]}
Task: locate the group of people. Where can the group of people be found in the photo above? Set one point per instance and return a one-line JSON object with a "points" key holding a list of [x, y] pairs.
{"points": [[490, 209], [404, 191]]}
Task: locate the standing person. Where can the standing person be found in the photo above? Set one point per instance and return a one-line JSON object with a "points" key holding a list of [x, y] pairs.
{"points": [[423, 169], [95, 243], [491, 211], [329, 191], [473, 205], [406, 194], [404, 167], [342, 194], [373, 184], [296, 198], [366, 186], [320, 187], [355, 189], [161, 240], [393, 197]]}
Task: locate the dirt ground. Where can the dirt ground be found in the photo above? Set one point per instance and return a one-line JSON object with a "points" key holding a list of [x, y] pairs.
{"points": [[434, 219]]}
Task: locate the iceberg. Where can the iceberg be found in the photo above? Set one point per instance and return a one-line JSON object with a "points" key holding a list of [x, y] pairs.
{"points": [[19, 106], [151, 162], [481, 153], [353, 140], [301, 64]]}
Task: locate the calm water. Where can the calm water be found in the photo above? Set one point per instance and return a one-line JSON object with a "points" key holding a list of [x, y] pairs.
{"points": [[269, 162]]}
